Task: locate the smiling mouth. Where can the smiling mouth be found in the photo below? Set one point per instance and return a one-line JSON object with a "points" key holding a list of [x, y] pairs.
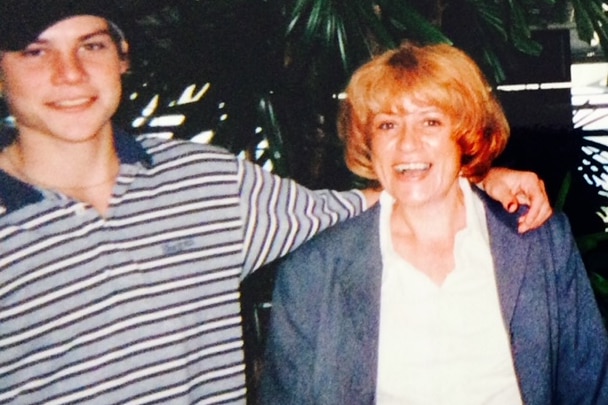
{"points": [[412, 167], [73, 103]]}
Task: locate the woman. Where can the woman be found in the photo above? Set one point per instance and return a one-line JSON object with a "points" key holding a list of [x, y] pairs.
{"points": [[432, 296]]}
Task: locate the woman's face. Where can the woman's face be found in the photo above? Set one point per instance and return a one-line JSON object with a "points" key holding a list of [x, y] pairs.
{"points": [[414, 154]]}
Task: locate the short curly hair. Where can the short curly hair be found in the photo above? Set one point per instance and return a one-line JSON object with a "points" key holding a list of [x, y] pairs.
{"points": [[441, 75]]}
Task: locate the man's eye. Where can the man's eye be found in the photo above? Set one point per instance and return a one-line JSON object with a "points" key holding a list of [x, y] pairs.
{"points": [[32, 52], [95, 46]]}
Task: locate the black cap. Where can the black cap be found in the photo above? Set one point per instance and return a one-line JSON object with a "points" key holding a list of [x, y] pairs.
{"points": [[22, 21]]}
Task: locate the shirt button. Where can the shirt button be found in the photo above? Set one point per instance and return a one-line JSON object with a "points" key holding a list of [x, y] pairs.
{"points": [[80, 210]]}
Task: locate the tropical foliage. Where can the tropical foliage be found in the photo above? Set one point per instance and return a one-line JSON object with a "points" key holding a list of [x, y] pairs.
{"points": [[273, 68], [253, 71]]}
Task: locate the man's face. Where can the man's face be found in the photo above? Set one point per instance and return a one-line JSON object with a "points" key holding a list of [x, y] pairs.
{"points": [[67, 83]]}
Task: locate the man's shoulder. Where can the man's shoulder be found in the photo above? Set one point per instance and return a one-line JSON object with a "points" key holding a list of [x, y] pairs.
{"points": [[184, 152], [155, 145]]}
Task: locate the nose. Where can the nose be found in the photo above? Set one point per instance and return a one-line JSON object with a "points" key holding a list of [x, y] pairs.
{"points": [[68, 68], [408, 138]]}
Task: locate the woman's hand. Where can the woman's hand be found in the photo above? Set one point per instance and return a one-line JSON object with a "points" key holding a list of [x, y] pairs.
{"points": [[513, 189]]}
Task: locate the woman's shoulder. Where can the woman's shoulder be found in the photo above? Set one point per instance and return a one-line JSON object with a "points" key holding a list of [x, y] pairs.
{"points": [[352, 236], [361, 226], [555, 235]]}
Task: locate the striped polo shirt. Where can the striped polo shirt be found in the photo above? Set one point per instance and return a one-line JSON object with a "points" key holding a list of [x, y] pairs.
{"points": [[141, 306]]}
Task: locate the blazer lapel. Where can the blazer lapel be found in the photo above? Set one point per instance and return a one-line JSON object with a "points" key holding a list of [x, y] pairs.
{"points": [[510, 253], [360, 284]]}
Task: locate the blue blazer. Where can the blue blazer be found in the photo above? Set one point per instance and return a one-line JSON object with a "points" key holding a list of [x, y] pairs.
{"points": [[323, 343]]}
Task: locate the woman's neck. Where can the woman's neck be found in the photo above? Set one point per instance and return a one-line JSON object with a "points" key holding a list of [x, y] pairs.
{"points": [[431, 220]]}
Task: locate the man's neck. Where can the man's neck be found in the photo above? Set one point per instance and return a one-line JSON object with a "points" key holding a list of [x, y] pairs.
{"points": [[85, 171]]}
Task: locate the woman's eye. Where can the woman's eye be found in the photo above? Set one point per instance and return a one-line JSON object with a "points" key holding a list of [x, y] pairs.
{"points": [[386, 125], [432, 122]]}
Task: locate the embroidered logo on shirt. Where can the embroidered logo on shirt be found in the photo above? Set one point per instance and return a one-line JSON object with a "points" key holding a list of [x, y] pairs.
{"points": [[177, 247]]}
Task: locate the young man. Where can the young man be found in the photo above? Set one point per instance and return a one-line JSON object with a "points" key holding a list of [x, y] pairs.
{"points": [[120, 258]]}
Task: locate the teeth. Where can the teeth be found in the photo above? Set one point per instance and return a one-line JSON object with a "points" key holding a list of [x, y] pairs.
{"points": [[72, 103], [412, 167]]}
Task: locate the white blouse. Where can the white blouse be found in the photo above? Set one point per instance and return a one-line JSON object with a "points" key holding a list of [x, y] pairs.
{"points": [[444, 344]]}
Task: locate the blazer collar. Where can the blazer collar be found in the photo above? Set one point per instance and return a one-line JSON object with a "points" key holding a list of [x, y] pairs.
{"points": [[363, 280]]}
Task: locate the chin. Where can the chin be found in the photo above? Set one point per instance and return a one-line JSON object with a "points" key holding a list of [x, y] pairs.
{"points": [[412, 201]]}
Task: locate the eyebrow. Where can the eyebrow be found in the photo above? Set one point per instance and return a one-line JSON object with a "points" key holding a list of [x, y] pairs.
{"points": [[104, 31], [84, 37]]}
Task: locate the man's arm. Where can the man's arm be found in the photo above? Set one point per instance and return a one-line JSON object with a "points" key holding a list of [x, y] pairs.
{"points": [[513, 188], [279, 214]]}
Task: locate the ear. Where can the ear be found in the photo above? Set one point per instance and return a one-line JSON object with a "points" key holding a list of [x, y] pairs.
{"points": [[124, 56], [1, 73]]}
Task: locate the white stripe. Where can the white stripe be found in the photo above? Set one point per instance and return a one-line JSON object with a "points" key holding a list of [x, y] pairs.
{"points": [[106, 303], [144, 372], [46, 242], [208, 152], [167, 393], [177, 186], [114, 247], [168, 212], [314, 221], [115, 328], [251, 218], [224, 397], [42, 220], [292, 219], [270, 235], [186, 160]]}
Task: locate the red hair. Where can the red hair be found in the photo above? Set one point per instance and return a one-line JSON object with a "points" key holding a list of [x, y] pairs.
{"points": [[439, 75]]}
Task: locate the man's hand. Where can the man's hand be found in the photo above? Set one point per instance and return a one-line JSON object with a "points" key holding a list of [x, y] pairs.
{"points": [[371, 195], [514, 188]]}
